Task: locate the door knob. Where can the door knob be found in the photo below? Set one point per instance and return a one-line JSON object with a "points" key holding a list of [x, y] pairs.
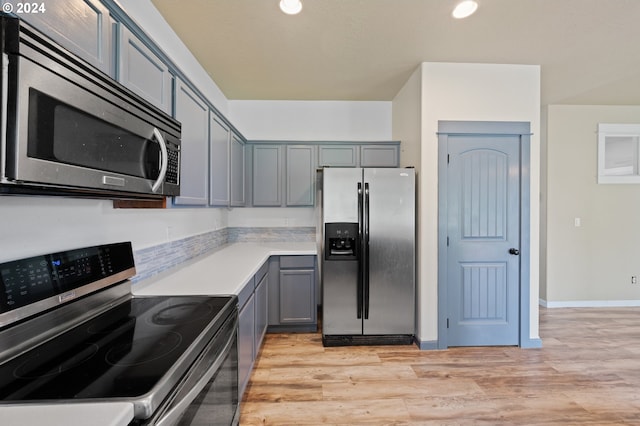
{"points": [[514, 251]]}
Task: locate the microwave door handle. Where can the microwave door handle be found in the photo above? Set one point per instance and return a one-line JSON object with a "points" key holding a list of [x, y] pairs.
{"points": [[164, 159]]}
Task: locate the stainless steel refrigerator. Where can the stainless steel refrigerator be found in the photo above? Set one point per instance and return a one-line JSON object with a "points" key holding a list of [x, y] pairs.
{"points": [[368, 256]]}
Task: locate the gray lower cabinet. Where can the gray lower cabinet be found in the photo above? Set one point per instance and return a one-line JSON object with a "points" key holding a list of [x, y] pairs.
{"points": [[292, 293], [193, 112], [252, 324], [82, 26], [262, 313], [246, 342], [143, 72]]}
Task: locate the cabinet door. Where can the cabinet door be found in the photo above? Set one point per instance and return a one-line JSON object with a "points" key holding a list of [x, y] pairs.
{"points": [[267, 175], [143, 72], [237, 173], [219, 162], [379, 156], [261, 302], [274, 290], [82, 26], [246, 340], [193, 113], [301, 175], [337, 155], [297, 296]]}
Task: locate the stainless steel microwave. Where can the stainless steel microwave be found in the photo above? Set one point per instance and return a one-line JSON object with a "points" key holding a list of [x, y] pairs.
{"points": [[69, 129]]}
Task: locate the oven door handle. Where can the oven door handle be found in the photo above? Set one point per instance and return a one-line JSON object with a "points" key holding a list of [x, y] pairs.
{"points": [[164, 160], [174, 413]]}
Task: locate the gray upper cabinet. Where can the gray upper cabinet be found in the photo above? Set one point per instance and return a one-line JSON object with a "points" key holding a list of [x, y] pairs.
{"points": [[227, 174], [143, 72], [338, 155], [301, 175], [192, 111], [220, 160], [379, 156], [81, 26], [384, 154], [237, 173], [267, 177]]}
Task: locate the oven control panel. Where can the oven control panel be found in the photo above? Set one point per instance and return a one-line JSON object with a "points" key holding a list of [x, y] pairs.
{"points": [[27, 281]]}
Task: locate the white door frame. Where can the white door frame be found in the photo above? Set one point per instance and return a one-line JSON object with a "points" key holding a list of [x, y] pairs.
{"points": [[485, 128]]}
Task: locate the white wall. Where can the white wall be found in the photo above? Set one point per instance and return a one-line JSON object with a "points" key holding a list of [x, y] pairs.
{"points": [[272, 217], [304, 121], [38, 225], [482, 92], [590, 265], [407, 125], [312, 120]]}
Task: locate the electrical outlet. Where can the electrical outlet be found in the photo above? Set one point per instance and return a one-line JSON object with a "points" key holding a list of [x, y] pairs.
{"points": [[634, 279]]}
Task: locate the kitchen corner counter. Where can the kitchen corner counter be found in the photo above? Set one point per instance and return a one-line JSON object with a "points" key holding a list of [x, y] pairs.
{"points": [[224, 271]]}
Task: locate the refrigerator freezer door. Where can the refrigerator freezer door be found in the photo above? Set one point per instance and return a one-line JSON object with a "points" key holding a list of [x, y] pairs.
{"points": [[340, 298], [391, 251], [340, 277], [340, 194]]}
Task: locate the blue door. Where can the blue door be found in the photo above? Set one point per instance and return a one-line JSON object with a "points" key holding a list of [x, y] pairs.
{"points": [[483, 240]]}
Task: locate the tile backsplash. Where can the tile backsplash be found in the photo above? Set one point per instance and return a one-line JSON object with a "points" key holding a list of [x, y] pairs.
{"points": [[153, 260], [270, 235]]}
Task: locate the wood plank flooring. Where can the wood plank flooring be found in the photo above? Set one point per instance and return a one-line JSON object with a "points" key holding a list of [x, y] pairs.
{"points": [[587, 373]]}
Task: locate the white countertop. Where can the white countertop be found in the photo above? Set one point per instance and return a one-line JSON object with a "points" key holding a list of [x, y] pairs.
{"points": [[224, 271], [81, 414]]}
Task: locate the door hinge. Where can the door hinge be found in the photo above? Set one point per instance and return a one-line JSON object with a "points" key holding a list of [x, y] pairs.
{"points": [[447, 158], [447, 322], [447, 241]]}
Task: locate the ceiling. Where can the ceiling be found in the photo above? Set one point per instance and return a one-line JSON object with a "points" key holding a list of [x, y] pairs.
{"points": [[589, 50]]}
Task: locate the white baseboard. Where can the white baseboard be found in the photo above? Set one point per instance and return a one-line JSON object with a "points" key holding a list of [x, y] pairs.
{"points": [[590, 304]]}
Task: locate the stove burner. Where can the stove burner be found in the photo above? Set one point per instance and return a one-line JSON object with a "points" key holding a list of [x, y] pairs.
{"points": [[181, 313], [37, 365], [143, 350]]}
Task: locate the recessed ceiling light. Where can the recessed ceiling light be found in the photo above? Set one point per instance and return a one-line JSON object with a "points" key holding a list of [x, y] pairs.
{"points": [[291, 7], [464, 8]]}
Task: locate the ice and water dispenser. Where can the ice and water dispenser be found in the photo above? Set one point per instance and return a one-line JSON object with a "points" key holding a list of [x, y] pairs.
{"points": [[341, 241]]}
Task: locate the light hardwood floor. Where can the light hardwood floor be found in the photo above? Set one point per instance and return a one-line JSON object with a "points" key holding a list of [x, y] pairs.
{"points": [[588, 372]]}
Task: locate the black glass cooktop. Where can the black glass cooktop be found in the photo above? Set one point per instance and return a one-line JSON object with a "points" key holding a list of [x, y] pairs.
{"points": [[122, 353]]}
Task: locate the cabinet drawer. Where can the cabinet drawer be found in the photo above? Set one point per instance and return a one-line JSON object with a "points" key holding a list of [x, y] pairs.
{"points": [[297, 261]]}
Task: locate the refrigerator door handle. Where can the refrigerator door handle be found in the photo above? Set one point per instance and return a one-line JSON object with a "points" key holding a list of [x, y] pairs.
{"points": [[365, 254], [359, 252]]}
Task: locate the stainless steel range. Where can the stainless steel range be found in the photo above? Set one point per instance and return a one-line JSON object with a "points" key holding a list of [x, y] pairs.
{"points": [[71, 331]]}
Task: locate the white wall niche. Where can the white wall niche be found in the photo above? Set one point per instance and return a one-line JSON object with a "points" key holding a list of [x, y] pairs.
{"points": [[618, 153]]}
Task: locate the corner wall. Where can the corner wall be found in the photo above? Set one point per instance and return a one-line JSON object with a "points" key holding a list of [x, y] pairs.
{"points": [[472, 92], [407, 124]]}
